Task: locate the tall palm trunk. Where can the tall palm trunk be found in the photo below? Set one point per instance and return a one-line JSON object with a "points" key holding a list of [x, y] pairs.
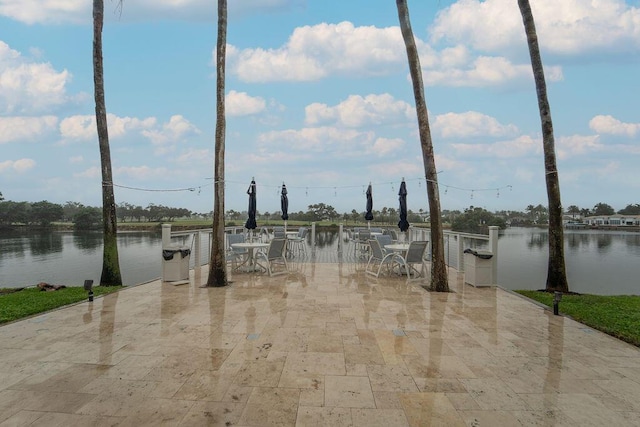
{"points": [[217, 265], [439, 280], [556, 272], [110, 265]]}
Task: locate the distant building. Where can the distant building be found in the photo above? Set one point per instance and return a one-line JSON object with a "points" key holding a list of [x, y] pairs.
{"points": [[615, 220]]}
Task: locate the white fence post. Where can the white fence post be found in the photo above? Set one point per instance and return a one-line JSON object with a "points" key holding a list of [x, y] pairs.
{"points": [[493, 245], [340, 238], [166, 235]]}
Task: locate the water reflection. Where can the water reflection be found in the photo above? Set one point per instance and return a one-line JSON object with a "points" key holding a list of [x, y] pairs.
{"points": [[45, 243], [87, 241]]}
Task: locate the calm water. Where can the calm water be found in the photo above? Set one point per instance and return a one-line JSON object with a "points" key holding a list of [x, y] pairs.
{"points": [[606, 263]]}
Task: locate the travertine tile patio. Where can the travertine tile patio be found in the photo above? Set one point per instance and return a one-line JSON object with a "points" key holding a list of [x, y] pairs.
{"points": [[325, 345]]}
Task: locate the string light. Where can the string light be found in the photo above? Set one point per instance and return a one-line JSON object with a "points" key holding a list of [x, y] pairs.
{"points": [[307, 188]]}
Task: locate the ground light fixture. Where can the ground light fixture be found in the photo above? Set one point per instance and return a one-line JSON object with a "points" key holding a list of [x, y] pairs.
{"points": [[557, 296], [88, 285]]}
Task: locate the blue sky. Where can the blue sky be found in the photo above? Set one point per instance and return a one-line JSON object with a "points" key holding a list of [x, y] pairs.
{"points": [[319, 97]]}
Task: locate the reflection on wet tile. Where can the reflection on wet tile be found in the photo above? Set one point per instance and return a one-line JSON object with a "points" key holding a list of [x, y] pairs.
{"points": [[429, 409], [348, 392], [311, 416], [325, 345], [271, 407]]}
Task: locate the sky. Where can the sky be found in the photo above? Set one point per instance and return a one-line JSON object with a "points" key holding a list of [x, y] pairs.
{"points": [[319, 97]]}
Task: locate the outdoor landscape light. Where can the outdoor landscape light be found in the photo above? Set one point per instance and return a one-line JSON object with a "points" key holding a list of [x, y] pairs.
{"points": [[557, 296], [88, 284]]}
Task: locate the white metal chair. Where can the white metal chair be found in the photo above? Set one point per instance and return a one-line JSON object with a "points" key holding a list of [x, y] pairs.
{"points": [[384, 239], [299, 242], [414, 256], [378, 259], [273, 257], [362, 242], [236, 257]]}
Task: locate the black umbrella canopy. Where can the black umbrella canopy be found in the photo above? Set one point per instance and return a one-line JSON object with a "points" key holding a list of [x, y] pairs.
{"points": [[251, 221], [403, 224], [369, 214], [284, 203]]}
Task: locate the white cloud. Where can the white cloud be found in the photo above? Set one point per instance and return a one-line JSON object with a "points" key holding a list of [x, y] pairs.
{"points": [[610, 125], [83, 127], [486, 71], [314, 52], [470, 124], [577, 144], [25, 128], [141, 172], [79, 11], [398, 168], [357, 111], [242, 104], [90, 173], [320, 139], [27, 86], [76, 159], [174, 131], [19, 166], [570, 27], [386, 146], [518, 147]]}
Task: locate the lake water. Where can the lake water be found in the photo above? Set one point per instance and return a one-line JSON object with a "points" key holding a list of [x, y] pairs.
{"points": [[605, 263]]}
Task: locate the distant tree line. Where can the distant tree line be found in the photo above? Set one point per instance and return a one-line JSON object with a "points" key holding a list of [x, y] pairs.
{"points": [[472, 219]]}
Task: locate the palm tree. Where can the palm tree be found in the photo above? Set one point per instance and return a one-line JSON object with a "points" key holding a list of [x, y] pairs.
{"points": [[110, 265], [217, 265], [439, 280], [556, 272]]}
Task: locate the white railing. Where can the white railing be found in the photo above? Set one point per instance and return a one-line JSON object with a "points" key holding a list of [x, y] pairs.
{"points": [[454, 243]]}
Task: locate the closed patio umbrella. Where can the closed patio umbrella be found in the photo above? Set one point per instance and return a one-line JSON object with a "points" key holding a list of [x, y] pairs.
{"points": [[251, 221], [284, 205], [403, 224], [369, 214]]}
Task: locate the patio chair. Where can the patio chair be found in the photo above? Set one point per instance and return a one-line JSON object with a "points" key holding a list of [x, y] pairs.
{"points": [[299, 242], [414, 256], [274, 256], [378, 259], [384, 240], [278, 233], [362, 242], [392, 233], [236, 256], [264, 235]]}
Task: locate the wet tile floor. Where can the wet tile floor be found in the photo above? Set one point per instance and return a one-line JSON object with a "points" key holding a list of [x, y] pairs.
{"points": [[324, 345]]}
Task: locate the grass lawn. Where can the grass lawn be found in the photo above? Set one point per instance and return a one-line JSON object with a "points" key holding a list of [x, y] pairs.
{"points": [[30, 301], [617, 315]]}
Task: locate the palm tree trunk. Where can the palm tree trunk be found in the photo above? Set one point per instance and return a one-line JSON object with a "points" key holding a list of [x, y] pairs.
{"points": [[556, 272], [110, 265], [439, 279], [217, 265]]}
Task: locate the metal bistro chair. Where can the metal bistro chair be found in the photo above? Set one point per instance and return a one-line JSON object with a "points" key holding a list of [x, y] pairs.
{"points": [[274, 256], [234, 256], [379, 259], [362, 243], [415, 255], [299, 242], [392, 233], [384, 240], [278, 233]]}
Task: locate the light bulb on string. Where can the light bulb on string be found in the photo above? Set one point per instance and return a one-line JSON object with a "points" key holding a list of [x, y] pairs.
{"points": [[446, 189], [306, 191], [471, 194], [335, 192]]}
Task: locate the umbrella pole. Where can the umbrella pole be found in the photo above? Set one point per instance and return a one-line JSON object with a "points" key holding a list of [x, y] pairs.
{"points": [[285, 227]]}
